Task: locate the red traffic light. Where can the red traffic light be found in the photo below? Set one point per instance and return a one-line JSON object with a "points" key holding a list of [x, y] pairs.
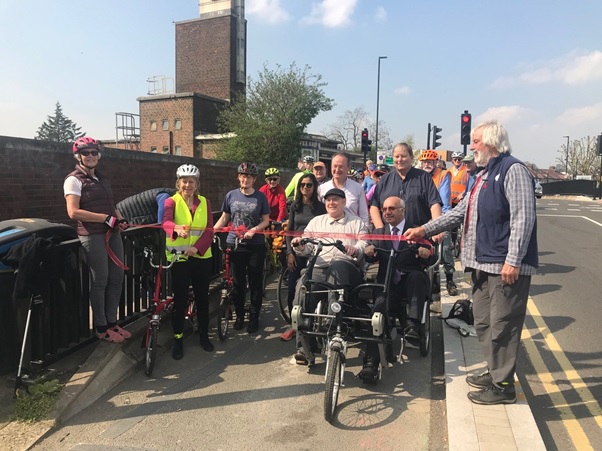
{"points": [[466, 118], [364, 134]]}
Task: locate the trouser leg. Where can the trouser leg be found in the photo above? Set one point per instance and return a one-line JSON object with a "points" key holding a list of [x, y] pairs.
{"points": [[448, 256], [180, 277], [255, 271], [201, 273], [114, 281], [239, 261]]}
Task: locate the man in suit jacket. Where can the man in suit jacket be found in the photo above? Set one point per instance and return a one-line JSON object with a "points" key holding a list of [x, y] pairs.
{"points": [[408, 280]]}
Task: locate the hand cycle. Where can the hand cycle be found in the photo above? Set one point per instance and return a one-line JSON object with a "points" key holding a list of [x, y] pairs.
{"points": [[336, 318], [224, 315], [158, 308]]}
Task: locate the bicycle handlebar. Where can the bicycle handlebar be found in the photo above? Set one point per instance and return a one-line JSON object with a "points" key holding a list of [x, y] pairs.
{"points": [[218, 240], [338, 243], [149, 253]]}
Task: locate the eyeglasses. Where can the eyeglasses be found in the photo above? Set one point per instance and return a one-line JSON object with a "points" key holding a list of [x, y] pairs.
{"points": [[457, 159], [386, 209], [86, 153], [306, 185], [272, 179]]}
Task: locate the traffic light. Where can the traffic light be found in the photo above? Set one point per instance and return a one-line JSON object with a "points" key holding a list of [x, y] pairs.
{"points": [[365, 141], [436, 137], [465, 128], [599, 145]]}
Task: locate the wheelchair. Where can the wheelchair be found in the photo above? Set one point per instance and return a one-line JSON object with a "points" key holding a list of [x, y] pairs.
{"points": [[331, 315]]}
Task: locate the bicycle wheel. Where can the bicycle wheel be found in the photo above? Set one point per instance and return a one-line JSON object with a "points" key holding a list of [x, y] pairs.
{"points": [[333, 384], [282, 296], [424, 334], [223, 319], [151, 349]]}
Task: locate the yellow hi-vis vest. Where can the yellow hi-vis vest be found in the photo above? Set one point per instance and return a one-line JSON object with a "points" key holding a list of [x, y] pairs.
{"points": [[182, 216]]}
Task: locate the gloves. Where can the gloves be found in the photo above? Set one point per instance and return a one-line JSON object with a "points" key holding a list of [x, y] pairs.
{"points": [[114, 222]]}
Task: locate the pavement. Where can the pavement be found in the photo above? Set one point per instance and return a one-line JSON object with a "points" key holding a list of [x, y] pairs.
{"points": [[91, 372]]}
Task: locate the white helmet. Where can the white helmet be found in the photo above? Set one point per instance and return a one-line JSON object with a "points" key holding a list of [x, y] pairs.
{"points": [[458, 155], [188, 170]]}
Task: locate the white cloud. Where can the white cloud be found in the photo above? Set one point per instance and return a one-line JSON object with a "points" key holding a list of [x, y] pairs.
{"points": [[503, 114], [270, 11], [571, 69], [581, 115], [381, 14], [403, 90], [331, 13]]}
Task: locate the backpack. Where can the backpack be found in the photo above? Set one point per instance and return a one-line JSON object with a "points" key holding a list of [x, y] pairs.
{"points": [[462, 310]]}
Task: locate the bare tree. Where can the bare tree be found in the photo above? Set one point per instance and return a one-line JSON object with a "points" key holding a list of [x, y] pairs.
{"points": [[580, 158], [348, 129]]}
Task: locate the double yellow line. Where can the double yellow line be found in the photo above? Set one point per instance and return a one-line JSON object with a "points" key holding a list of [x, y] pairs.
{"points": [[572, 425]]}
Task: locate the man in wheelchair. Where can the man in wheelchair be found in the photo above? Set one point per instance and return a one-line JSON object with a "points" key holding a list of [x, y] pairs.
{"points": [[341, 269], [409, 283]]}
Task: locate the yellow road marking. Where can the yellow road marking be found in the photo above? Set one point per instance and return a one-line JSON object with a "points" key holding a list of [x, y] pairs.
{"points": [[574, 429]]}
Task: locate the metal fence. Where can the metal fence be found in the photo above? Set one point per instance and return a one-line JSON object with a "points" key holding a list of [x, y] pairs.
{"points": [[61, 315]]}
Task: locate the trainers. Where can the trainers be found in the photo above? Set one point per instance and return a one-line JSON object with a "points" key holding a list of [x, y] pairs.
{"points": [[369, 373], [111, 336], [124, 333], [493, 395], [452, 288], [178, 349], [288, 335], [206, 343], [240, 320], [479, 380], [300, 357], [253, 325]]}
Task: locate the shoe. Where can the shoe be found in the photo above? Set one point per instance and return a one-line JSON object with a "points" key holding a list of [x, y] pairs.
{"points": [[206, 343], [369, 373], [479, 380], [253, 325], [178, 349], [493, 395], [124, 333], [240, 320], [111, 336], [452, 288], [436, 288], [288, 334], [300, 357]]}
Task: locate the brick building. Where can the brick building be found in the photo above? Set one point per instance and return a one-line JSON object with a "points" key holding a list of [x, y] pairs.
{"points": [[210, 72]]}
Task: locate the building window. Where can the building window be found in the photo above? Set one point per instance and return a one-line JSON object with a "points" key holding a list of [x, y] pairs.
{"points": [[154, 149], [178, 124], [178, 150], [153, 126], [165, 124], [165, 149]]}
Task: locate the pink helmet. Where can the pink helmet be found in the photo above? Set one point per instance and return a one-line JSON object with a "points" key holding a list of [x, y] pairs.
{"points": [[85, 142]]}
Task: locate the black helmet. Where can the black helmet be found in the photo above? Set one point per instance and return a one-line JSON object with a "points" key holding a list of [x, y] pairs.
{"points": [[248, 168]]}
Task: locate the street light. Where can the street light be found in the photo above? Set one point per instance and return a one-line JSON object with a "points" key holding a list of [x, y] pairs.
{"points": [[377, 102], [566, 161]]}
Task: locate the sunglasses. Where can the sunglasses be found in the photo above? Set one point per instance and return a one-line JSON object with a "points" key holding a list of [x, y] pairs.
{"points": [[306, 185], [86, 153], [272, 179], [457, 159]]}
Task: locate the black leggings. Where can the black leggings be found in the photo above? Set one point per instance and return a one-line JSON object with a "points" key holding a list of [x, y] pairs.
{"points": [[248, 262], [198, 272]]}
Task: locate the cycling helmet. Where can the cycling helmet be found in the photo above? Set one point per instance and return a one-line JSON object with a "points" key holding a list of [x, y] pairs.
{"points": [[272, 171], [458, 155], [351, 173], [188, 170], [309, 159], [248, 168], [85, 142], [428, 155]]}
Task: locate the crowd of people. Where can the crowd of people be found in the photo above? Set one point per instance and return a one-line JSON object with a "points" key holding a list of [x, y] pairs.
{"points": [[489, 192]]}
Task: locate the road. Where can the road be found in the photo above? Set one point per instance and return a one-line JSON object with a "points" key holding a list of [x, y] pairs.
{"points": [[561, 366], [249, 394]]}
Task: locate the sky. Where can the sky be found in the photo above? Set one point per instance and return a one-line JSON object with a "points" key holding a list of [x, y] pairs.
{"points": [[534, 65]]}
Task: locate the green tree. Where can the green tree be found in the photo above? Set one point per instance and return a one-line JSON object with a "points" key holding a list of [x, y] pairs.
{"points": [[269, 122], [59, 128]]}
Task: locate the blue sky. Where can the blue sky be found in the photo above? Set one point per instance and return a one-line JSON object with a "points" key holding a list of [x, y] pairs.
{"points": [[535, 65]]}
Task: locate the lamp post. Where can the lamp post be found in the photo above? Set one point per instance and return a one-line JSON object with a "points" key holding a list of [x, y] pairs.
{"points": [[566, 160], [377, 103]]}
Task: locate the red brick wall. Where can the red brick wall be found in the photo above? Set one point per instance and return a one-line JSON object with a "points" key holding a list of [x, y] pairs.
{"points": [[32, 174], [205, 57]]}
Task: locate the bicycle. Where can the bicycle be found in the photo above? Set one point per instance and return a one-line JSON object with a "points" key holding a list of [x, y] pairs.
{"points": [[158, 308], [274, 240], [224, 314]]}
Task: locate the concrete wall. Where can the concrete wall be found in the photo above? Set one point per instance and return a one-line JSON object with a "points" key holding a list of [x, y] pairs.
{"points": [[32, 174]]}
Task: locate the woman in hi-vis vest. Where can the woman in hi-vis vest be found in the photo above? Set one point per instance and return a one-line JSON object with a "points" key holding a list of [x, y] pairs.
{"points": [[188, 224]]}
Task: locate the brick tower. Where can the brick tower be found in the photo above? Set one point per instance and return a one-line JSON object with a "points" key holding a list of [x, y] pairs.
{"points": [[211, 50]]}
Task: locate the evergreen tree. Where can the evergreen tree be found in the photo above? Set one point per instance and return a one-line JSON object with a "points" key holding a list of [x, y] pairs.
{"points": [[59, 128]]}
